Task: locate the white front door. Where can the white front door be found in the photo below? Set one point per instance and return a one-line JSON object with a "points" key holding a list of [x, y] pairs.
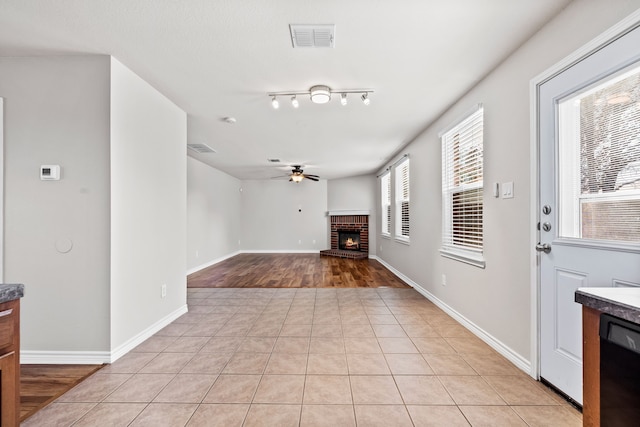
{"points": [[589, 212]]}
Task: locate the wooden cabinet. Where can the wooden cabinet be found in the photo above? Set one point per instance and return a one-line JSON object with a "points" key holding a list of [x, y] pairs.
{"points": [[590, 367], [620, 302], [10, 363]]}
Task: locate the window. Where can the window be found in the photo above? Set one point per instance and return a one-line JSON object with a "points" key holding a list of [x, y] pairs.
{"points": [[385, 197], [462, 170], [402, 200], [599, 149]]}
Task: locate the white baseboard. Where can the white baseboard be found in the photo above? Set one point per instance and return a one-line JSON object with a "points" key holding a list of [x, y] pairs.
{"points": [[280, 251], [147, 333], [64, 357], [515, 358], [97, 357], [210, 263]]}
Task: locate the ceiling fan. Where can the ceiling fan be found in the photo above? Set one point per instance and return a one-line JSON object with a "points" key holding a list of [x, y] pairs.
{"points": [[297, 175]]}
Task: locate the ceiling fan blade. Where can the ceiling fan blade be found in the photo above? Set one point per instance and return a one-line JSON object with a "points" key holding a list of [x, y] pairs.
{"points": [[311, 178]]}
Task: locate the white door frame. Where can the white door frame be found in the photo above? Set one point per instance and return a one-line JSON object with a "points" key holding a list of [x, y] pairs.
{"points": [[603, 39], [1, 190]]}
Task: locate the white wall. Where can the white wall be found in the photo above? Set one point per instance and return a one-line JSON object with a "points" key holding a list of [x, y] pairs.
{"points": [[271, 220], [213, 215], [148, 206], [496, 299], [57, 112], [355, 193]]}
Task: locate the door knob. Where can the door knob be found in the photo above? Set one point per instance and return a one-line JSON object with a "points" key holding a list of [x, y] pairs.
{"points": [[543, 247]]}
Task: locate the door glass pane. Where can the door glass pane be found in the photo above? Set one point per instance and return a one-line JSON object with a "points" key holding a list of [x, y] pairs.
{"points": [[599, 160]]}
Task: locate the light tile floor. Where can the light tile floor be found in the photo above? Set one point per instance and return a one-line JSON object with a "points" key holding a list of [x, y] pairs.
{"points": [[310, 357]]}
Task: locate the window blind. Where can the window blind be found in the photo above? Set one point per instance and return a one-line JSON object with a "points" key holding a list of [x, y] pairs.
{"points": [[462, 182], [604, 190], [402, 199], [610, 161], [385, 187]]}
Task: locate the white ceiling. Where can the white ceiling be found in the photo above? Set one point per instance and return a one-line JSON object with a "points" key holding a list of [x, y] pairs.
{"points": [[219, 58]]}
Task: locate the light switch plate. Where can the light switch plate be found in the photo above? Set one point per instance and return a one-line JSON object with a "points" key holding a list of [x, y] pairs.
{"points": [[50, 172], [507, 190]]}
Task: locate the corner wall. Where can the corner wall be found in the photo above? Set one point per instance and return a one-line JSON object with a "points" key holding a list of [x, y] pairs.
{"points": [[213, 215], [57, 232], [148, 208]]}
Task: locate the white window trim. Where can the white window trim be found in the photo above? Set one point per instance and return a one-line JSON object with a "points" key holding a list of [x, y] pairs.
{"points": [[398, 203], [385, 233], [468, 256]]}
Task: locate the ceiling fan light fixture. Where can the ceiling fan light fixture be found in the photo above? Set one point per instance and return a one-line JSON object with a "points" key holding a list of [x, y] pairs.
{"points": [[320, 94], [294, 102], [343, 98], [365, 98], [274, 103], [297, 177]]}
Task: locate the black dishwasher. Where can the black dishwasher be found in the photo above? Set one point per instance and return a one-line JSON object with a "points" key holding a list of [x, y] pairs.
{"points": [[619, 372]]}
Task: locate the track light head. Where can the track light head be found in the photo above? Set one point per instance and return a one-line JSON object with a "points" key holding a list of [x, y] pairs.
{"points": [[365, 98], [294, 102], [274, 103], [343, 99]]}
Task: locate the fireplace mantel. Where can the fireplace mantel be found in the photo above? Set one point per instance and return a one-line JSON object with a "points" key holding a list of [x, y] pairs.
{"points": [[347, 213]]}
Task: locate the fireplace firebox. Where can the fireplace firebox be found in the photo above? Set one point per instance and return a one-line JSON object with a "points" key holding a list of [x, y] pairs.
{"points": [[348, 240]]}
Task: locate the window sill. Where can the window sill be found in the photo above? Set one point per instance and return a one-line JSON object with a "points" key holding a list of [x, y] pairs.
{"points": [[385, 236], [403, 240], [471, 258]]}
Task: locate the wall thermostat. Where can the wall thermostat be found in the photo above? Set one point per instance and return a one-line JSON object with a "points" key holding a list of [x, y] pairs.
{"points": [[50, 172]]}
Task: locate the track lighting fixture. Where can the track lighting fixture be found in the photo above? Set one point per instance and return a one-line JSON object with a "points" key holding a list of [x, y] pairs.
{"points": [[319, 94]]}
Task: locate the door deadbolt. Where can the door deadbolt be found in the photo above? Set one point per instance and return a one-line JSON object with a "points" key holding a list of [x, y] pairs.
{"points": [[546, 226], [546, 209]]}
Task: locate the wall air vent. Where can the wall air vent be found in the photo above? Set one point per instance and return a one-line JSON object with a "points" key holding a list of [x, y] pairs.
{"points": [[200, 148], [313, 35]]}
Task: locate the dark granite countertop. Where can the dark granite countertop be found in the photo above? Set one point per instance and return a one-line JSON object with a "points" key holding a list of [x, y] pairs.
{"points": [[10, 292], [618, 302]]}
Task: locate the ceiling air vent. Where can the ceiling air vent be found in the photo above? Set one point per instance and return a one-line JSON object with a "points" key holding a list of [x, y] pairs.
{"points": [[313, 35], [273, 160], [200, 148]]}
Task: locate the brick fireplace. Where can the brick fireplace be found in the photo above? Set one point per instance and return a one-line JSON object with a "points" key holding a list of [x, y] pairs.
{"points": [[349, 235]]}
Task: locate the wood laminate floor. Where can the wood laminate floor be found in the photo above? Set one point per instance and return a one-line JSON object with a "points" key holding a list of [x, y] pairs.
{"points": [[294, 271], [42, 384]]}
